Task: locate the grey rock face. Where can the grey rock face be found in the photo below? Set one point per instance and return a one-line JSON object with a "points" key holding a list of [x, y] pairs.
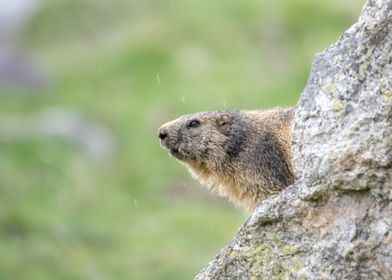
{"points": [[335, 222]]}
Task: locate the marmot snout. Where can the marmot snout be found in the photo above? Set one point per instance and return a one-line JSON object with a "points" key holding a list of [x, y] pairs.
{"points": [[190, 138], [243, 155]]}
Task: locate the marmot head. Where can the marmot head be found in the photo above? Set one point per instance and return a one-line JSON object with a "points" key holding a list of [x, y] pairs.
{"points": [[244, 155], [198, 137]]}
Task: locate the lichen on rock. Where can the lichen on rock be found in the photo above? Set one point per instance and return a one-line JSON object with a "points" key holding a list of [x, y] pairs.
{"points": [[335, 222]]}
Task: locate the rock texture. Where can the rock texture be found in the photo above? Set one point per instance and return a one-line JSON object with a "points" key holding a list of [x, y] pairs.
{"points": [[336, 221]]}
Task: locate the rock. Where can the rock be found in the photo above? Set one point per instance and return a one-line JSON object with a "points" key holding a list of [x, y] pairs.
{"points": [[335, 222]]}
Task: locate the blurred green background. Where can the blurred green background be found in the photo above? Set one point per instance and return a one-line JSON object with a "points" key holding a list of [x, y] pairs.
{"points": [[86, 192]]}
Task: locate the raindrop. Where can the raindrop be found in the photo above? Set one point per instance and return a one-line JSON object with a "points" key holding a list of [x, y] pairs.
{"points": [[158, 78]]}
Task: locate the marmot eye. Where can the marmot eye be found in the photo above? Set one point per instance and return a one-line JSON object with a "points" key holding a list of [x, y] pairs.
{"points": [[193, 124]]}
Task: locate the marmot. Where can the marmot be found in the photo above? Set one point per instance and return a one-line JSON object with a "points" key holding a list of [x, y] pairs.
{"points": [[243, 155]]}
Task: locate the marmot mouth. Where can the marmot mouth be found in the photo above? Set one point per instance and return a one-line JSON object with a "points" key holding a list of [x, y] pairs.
{"points": [[162, 143], [177, 154], [174, 152]]}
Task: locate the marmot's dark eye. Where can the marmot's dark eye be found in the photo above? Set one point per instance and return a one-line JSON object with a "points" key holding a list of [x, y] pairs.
{"points": [[193, 124]]}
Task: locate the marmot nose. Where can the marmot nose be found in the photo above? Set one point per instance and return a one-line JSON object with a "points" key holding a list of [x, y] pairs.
{"points": [[162, 134]]}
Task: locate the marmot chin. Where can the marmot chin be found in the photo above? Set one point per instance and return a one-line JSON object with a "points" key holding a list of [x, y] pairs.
{"points": [[242, 155]]}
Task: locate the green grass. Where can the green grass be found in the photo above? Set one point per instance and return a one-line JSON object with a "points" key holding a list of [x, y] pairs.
{"points": [[132, 65]]}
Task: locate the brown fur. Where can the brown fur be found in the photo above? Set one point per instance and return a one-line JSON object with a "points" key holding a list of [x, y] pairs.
{"points": [[242, 155]]}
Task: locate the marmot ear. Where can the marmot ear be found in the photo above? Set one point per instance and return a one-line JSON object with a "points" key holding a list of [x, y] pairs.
{"points": [[223, 120]]}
